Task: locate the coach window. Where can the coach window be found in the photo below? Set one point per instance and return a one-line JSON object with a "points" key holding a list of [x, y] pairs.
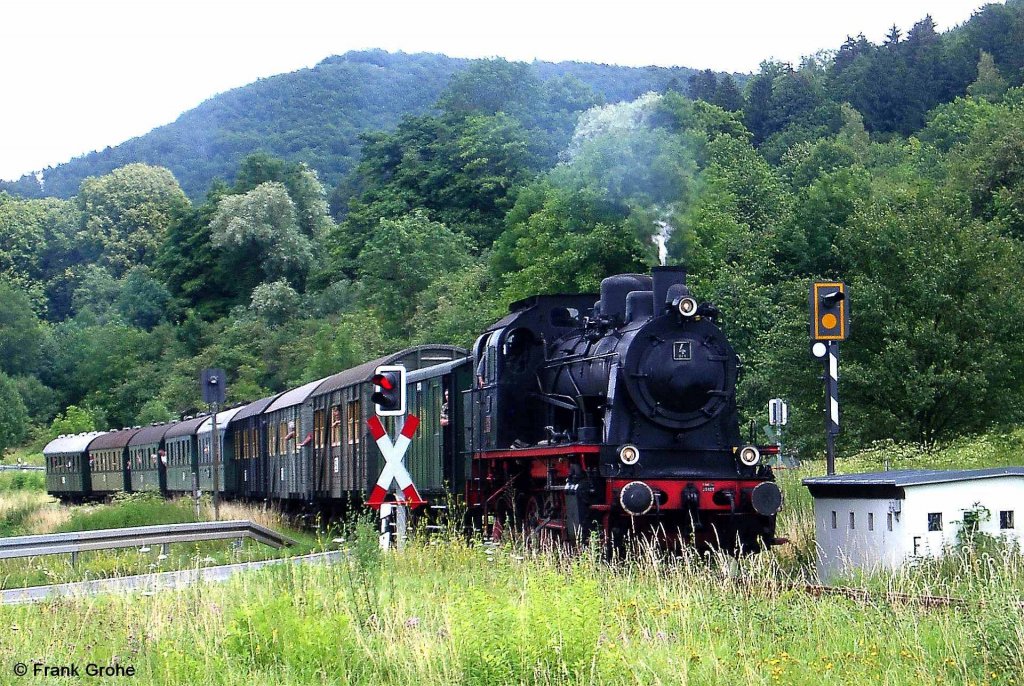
{"points": [[318, 428], [336, 425], [354, 414], [934, 521]]}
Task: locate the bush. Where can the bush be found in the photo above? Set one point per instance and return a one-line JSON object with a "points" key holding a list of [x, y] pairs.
{"points": [[22, 481]]}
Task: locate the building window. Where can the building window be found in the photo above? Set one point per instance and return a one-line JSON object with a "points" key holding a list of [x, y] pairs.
{"points": [[853, 520], [934, 521], [871, 521], [1006, 519], [833, 519]]}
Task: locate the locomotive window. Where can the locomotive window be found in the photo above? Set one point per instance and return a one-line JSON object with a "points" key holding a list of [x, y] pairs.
{"points": [[517, 348], [565, 317]]}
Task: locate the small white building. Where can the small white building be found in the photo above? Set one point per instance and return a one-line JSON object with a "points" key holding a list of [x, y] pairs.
{"points": [[881, 520]]}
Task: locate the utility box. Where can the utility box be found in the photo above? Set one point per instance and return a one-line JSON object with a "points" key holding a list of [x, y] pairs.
{"points": [[884, 520]]}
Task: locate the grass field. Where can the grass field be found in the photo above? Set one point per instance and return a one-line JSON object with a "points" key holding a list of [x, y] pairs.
{"points": [[26, 509], [451, 611]]}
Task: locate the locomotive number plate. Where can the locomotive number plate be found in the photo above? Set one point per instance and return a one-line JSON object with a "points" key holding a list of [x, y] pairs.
{"points": [[681, 350]]}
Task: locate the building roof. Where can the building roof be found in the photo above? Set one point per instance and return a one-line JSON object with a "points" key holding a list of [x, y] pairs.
{"points": [[296, 396], [891, 484], [223, 419], [71, 443]]}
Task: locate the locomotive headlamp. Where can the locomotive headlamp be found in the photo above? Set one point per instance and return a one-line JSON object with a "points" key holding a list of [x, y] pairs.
{"points": [[629, 454], [750, 456], [687, 306]]}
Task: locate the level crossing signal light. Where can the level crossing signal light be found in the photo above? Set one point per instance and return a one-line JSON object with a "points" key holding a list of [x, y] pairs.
{"points": [[388, 390], [830, 317]]}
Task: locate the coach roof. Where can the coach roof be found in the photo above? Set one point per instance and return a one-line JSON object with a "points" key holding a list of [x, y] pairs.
{"points": [[223, 419], [185, 428], [254, 408], [414, 358], [72, 443], [296, 396], [114, 439], [149, 435]]}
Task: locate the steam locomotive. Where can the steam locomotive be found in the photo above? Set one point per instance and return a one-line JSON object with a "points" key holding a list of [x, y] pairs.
{"points": [[616, 416], [569, 417]]}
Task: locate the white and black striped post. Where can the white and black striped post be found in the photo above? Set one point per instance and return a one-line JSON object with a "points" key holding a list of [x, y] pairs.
{"points": [[831, 403], [830, 323]]}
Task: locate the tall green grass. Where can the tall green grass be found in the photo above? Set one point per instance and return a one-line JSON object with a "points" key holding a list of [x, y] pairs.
{"points": [[131, 509], [464, 613]]}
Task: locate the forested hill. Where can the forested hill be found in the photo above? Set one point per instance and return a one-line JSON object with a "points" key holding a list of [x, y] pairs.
{"points": [[315, 116], [897, 167]]}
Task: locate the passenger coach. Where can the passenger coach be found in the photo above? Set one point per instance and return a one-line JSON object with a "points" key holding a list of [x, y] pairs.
{"points": [[67, 466]]}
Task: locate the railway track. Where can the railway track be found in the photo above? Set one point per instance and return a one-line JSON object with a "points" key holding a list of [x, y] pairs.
{"points": [[864, 595]]}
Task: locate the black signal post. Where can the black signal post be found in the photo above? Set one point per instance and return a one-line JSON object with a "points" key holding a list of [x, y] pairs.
{"points": [[830, 323], [212, 382]]}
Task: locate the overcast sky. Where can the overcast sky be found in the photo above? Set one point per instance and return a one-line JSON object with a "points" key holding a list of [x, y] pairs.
{"points": [[79, 75]]}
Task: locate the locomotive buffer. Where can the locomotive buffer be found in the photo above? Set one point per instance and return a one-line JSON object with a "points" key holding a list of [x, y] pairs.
{"points": [[830, 323]]}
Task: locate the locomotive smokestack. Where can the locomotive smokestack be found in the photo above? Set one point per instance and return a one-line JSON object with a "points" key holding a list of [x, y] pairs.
{"points": [[665, 278]]}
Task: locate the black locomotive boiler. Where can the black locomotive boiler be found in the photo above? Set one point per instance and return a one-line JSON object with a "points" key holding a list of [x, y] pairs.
{"points": [[615, 416]]}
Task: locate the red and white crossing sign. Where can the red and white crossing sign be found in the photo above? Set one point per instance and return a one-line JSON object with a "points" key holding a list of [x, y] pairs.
{"points": [[394, 470]]}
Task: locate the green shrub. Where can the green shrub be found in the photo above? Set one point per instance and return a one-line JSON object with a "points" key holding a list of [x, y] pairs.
{"points": [[22, 481]]}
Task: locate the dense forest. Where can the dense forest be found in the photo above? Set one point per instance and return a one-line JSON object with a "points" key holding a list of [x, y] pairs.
{"points": [[316, 116], [898, 168]]}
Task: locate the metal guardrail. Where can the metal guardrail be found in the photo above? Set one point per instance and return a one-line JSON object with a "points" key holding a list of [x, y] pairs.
{"points": [[131, 537], [21, 468]]}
